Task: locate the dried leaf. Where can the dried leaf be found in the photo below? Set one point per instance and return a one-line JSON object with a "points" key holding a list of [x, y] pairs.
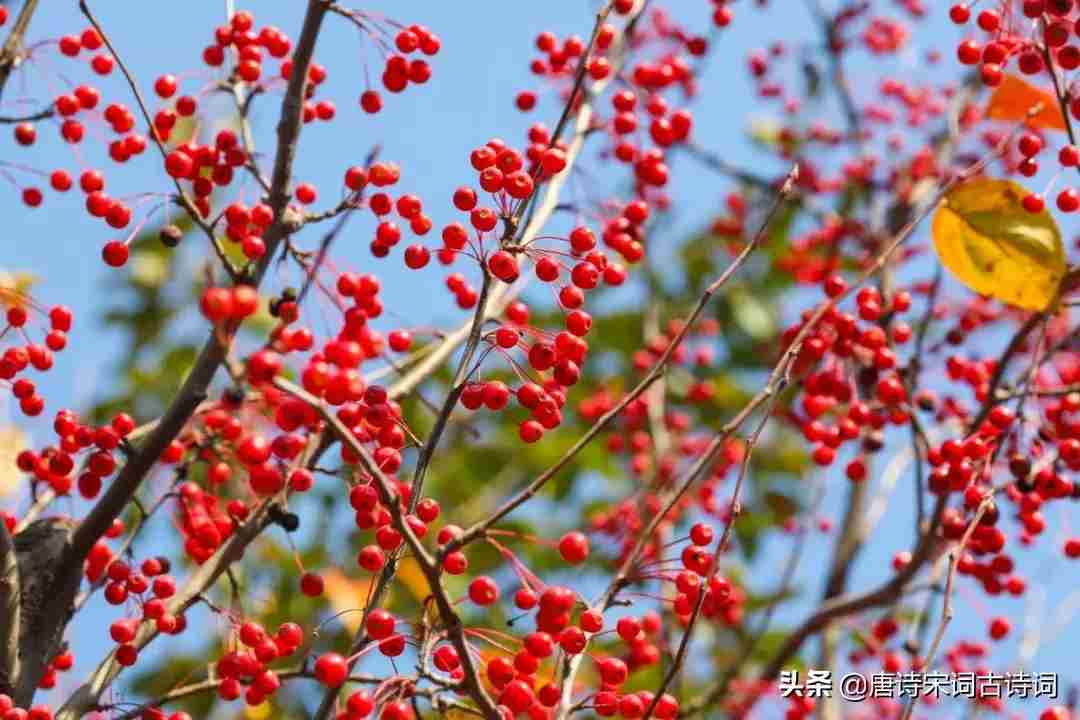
{"points": [[1015, 98], [983, 234], [781, 506], [15, 288], [12, 442]]}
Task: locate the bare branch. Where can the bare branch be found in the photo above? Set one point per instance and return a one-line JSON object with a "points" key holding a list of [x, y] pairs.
{"points": [[457, 386], [32, 117], [733, 513]]}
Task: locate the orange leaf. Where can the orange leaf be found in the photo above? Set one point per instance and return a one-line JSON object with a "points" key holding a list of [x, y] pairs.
{"points": [[15, 289], [411, 576], [347, 596], [1015, 98]]}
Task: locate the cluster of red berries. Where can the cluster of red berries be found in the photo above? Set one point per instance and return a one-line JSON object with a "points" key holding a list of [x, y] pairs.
{"points": [[1029, 145], [71, 45], [372, 515], [806, 261], [8, 711], [222, 304], [409, 207], [332, 670], [124, 582], [204, 166], [884, 36], [55, 465], [203, 523], [399, 71], [81, 100], [560, 60], [545, 401], [1011, 39], [516, 680], [249, 667], [17, 358], [501, 171], [84, 98], [835, 339], [249, 47]]}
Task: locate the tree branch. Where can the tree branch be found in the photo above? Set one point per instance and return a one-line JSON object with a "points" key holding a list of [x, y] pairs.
{"points": [[457, 386], [11, 53], [734, 509], [88, 696], [10, 613], [211, 357]]}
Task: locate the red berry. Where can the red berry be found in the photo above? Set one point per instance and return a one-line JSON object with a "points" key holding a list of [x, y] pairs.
{"points": [[115, 253], [574, 547], [483, 591], [331, 670]]}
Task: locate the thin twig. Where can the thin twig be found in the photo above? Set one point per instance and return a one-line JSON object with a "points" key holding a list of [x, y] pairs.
{"points": [[457, 386], [32, 117], [946, 608], [734, 510]]}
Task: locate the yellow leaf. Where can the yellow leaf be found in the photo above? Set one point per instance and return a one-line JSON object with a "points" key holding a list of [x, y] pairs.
{"points": [[258, 712], [15, 288], [1016, 100], [410, 575], [983, 234], [455, 714], [347, 596], [12, 442]]}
